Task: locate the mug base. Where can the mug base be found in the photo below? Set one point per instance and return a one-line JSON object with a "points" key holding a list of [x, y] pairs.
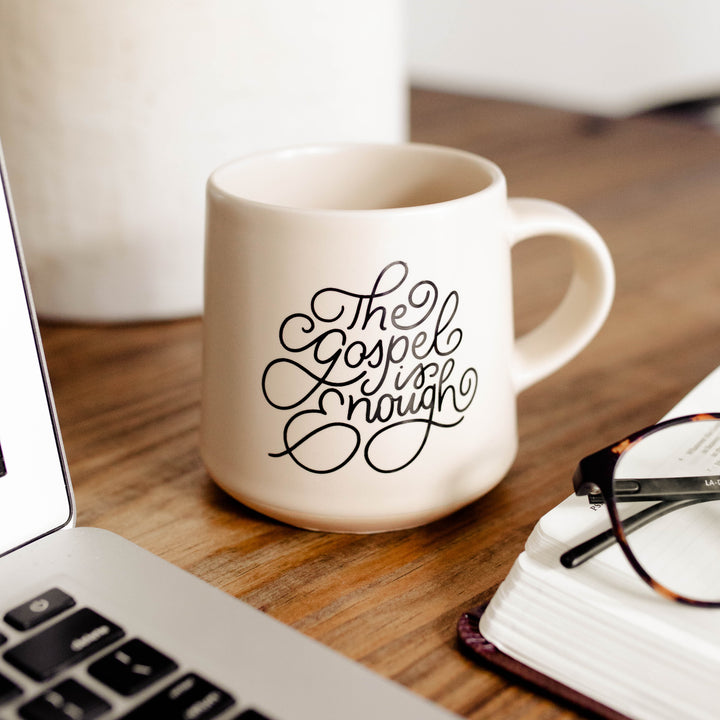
{"points": [[349, 524]]}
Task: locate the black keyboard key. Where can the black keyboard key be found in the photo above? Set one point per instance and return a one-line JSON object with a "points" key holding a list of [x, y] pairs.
{"points": [[3, 639], [132, 667], [41, 608], [189, 697], [8, 690], [68, 700], [63, 644], [251, 715]]}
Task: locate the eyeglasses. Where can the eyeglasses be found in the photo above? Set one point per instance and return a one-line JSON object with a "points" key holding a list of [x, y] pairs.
{"points": [[659, 485]]}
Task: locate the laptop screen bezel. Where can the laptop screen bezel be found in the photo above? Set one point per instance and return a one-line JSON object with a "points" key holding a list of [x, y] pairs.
{"points": [[70, 516]]}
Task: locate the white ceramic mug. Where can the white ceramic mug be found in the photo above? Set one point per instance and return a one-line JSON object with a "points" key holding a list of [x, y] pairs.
{"points": [[360, 368]]}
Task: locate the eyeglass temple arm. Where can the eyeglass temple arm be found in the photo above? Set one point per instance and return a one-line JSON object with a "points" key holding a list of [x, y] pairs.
{"points": [[584, 551]]}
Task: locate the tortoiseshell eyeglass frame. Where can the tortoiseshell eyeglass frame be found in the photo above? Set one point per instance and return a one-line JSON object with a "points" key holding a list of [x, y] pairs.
{"points": [[594, 478]]}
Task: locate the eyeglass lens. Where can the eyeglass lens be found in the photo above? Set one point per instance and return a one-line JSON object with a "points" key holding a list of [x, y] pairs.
{"points": [[669, 482]]}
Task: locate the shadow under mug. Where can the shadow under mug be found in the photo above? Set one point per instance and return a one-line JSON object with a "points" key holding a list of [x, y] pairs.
{"points": [[360, 369]]}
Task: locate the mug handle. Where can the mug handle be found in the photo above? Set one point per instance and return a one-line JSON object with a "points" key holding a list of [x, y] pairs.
{"points": [[581, 313]]}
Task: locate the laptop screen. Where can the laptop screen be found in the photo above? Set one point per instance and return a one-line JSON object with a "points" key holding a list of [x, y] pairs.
{"points": [[35, 495]]}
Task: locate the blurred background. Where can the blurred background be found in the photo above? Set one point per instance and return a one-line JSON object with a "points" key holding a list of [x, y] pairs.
{"points": [[113, 114], [604, 57]]}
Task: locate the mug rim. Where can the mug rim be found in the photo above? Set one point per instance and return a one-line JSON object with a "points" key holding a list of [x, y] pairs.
{"points": [[218, 188]]}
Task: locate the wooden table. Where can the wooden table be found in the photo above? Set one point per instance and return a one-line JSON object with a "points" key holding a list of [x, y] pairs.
{"points": [[128, 401]]}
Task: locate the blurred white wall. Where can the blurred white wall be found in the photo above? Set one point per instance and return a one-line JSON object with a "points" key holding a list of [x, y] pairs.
{"points": [[609, 57], [114, 113]]}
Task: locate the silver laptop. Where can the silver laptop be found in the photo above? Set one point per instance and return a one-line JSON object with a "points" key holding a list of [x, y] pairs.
{"points": [[92, 626]]}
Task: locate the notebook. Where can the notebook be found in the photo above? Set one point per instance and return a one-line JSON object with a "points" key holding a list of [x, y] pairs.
{"points": [[92, 626], [596, 635]]}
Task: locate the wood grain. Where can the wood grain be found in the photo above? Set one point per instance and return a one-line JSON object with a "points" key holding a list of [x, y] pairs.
{"points": [[128, 400]]}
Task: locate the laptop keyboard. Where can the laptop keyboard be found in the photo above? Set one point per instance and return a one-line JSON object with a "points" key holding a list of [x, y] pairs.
{"points": [[54, 635]]}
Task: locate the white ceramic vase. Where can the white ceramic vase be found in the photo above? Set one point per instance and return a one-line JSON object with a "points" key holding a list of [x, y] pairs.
{"points": [[113, 114]]}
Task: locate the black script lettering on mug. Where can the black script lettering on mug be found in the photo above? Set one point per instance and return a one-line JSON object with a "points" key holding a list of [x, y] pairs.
{"points": [[369, 373]]}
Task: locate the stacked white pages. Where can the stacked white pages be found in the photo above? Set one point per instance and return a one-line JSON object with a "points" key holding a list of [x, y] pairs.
{"points": [[597, 628]]}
